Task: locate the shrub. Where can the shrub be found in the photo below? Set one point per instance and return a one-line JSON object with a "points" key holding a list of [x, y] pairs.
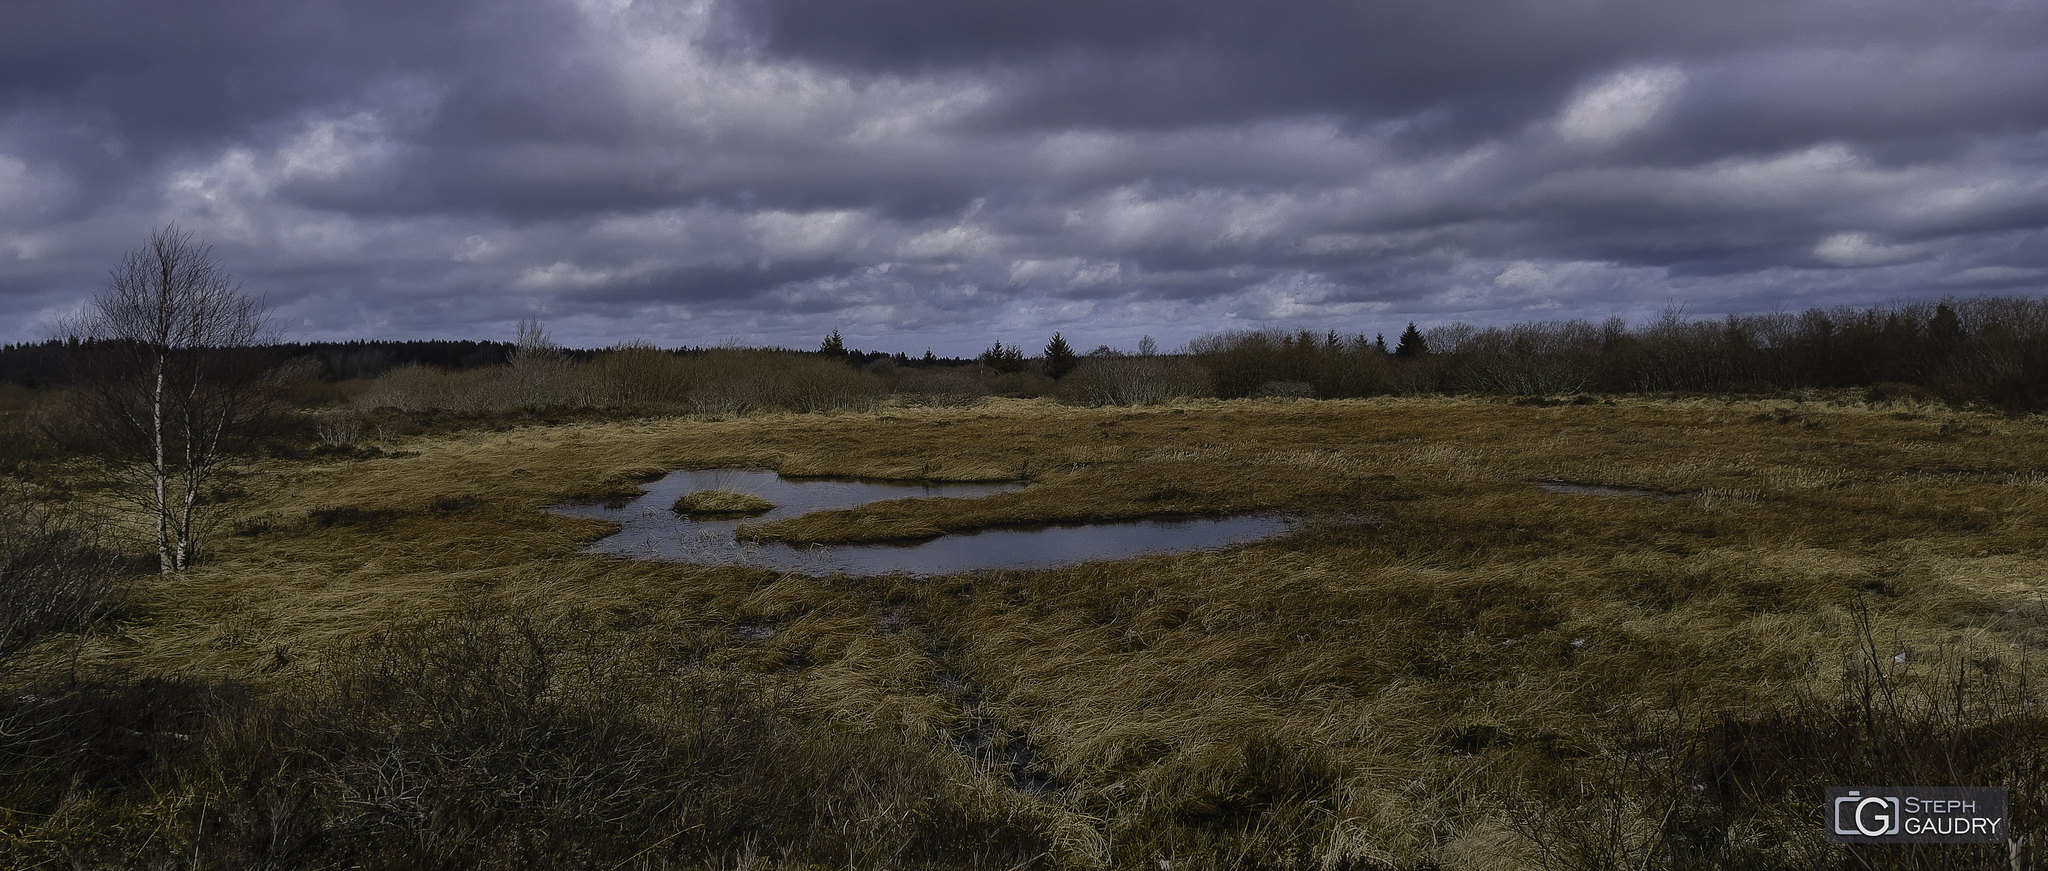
{"points": [[1530, 359], [638, 375], [1021, 385], [487, 741], [1285, 390], [415, 387], [54, 577], [946, 386], [339, 428], [739, 381], [67, 748], [1122, 380], [1243, 362], [1687, 789], [21, 451]]}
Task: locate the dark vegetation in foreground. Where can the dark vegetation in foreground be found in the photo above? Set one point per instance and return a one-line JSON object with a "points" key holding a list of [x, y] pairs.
{"points": [[479, 741]]}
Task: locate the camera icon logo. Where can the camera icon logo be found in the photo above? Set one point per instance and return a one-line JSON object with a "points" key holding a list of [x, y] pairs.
{"points": [[1868, 815]]}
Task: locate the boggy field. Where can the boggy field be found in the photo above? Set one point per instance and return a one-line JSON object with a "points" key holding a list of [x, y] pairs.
{"points": [[405, 660]]}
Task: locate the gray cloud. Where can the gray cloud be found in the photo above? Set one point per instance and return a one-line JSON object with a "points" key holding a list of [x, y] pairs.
{"points": [[927, 173]]}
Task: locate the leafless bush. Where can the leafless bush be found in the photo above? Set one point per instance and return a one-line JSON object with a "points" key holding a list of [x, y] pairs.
{"points": [[414, 387], [484, 741], [537, 374], [1685, 788], [939, 386], [1333, 366], [489, 741], [639, 375], [729, 395], [54, 576], [739, 381], [1543, 358], [1133, 380], [824, 385], [1285, 390], [1024, 384], [339, 428]]}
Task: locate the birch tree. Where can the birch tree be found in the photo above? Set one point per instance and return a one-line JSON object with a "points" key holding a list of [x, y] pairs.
{"points": [[172, 383], [537, 372]]}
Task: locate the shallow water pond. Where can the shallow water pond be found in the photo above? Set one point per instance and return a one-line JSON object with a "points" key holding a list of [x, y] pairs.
{"points": [[650, 530]]}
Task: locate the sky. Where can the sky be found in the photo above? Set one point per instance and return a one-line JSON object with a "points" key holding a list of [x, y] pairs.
{"points": [[945, 174]]}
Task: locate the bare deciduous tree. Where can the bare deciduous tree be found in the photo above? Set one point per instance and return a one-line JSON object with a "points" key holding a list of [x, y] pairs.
{"points": [[537, 372], [173, 383]]}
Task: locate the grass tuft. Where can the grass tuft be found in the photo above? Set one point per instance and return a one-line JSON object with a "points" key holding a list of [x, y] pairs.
{"points": [[721, 503]]}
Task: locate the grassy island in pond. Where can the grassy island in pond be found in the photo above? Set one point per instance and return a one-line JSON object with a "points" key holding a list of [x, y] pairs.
{"points": [[721, 503]]}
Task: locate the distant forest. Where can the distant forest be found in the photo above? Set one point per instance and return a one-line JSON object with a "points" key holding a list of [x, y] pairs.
{"points": [[1991, 350], [44, 363]]}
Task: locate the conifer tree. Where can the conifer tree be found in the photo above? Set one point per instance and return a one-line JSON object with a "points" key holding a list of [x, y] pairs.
{"points": [[1945, 329], [1412, 343], [1003, 358], [1059, 357]]}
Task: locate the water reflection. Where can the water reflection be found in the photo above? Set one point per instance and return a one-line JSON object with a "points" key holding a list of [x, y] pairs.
{"points": [[652, 531]]}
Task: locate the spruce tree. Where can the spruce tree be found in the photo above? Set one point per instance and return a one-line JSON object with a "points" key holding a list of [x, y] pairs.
{"points": [[1412, 343], [1945, 329], [1059, 357], [1003, 358]]}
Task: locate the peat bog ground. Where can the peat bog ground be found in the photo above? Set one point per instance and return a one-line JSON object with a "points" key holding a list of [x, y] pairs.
{"points": [[1484, 645]]}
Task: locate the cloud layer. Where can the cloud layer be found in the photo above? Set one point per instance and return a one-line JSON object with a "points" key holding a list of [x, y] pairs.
{"points": [[929, 173]]}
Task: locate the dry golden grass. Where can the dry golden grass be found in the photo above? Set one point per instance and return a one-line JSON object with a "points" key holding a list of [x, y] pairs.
{"points": [[1443, 623], [720, 503]]}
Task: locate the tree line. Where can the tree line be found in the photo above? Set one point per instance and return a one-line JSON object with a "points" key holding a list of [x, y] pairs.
{"points": [[1988, 349], [1985, 350], [172, 370]]}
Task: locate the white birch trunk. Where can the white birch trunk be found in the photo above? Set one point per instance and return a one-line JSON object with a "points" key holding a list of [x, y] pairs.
{"points": [[159, 474]]}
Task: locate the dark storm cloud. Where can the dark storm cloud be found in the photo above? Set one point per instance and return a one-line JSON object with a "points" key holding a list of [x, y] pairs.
{"points": [[936, 173], [1118, 62], [125, 85]]}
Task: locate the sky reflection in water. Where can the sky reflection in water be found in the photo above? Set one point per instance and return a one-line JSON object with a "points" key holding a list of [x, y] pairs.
{"points": [[652, 531]]}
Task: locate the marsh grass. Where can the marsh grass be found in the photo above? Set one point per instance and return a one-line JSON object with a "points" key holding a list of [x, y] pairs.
{"points": [[720, 503], [1455, 668]]}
